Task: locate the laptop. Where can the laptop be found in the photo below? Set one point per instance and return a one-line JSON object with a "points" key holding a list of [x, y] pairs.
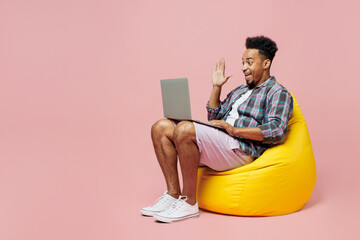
{"points": [[176, 100]]}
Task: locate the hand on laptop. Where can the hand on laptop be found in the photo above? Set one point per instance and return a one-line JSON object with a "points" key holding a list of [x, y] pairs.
{"points": [[219, 78], [229, 128]]}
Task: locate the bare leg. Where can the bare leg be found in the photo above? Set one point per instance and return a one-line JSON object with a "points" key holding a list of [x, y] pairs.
{"points": [[189, 157], [162, 136]]}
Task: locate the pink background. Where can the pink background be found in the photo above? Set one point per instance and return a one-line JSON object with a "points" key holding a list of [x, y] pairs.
{"points": [[79, 91]]}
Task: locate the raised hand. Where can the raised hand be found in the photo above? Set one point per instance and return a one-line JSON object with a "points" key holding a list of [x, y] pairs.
{"points": [[219, 78]]}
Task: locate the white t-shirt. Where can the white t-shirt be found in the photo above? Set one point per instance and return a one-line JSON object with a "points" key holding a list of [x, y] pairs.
{"points": [[233, 115]]}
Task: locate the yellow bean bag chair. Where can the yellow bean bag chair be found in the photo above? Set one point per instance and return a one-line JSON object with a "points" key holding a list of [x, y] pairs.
{"points": [[279, 182]]}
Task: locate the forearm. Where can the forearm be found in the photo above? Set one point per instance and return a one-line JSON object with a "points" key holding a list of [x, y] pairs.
{"points": [[251, 133], [214, 100]]}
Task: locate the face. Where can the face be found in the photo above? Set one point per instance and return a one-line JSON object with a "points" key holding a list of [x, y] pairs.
{"points": [[255, 68]]}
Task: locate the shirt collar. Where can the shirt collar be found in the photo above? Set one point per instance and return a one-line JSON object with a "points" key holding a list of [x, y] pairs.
{"points": [[269, 82]]}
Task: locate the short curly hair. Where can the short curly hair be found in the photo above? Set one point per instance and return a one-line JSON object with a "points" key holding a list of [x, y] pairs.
{"points": [[265, 45]]}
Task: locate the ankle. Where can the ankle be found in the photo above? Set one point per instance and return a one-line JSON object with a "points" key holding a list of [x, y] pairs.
{"points": [[174, 194], [190, 198], [191, 201]]}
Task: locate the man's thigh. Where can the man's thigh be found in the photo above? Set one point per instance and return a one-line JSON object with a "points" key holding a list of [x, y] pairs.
{"points": [[218, 150]]}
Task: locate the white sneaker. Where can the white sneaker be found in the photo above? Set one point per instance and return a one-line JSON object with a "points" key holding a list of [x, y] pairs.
{"points": [[179, 210], [161, 204]]}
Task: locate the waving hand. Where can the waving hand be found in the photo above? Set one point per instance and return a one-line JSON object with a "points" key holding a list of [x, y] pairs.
{"points": [[219, 78]]}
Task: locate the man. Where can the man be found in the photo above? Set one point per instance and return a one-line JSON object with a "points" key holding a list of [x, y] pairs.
{"points": [[255, 116]]}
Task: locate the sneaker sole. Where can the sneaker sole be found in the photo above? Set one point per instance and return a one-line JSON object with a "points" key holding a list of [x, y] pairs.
{"points": [[148, 213], [167, 220]]}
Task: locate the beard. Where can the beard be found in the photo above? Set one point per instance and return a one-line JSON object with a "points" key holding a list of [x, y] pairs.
{"points": [[250, 84]]}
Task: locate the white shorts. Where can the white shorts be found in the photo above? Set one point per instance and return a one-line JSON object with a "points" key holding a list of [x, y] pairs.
{"points": [[218, 150]]}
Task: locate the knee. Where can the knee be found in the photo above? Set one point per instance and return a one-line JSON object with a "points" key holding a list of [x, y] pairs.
{"points": [[162, 127], [184, 130]]}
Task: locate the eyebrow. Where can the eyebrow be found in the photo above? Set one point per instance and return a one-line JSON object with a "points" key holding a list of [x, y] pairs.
{"points": [[249, 58]]}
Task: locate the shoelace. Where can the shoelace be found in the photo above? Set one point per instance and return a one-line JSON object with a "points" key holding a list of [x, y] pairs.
{"points": [[176, 205], [157, 200]]}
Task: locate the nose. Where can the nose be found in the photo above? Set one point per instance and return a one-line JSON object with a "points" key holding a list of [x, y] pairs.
{"points": [[244, 67]]}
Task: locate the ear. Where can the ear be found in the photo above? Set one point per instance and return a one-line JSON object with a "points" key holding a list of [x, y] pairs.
{"points": [[266, 63]]}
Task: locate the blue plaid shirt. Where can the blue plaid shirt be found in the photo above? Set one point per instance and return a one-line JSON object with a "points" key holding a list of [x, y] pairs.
{"points": [[269, 108]]}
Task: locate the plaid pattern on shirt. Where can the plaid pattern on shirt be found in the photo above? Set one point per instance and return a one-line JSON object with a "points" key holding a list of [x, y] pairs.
{"points": [[269, 108]]}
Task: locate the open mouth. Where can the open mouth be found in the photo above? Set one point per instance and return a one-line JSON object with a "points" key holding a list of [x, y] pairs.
{"points": [[247, 76]]}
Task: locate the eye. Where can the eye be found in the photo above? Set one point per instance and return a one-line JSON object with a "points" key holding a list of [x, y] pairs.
{"points": [[250, 63]]}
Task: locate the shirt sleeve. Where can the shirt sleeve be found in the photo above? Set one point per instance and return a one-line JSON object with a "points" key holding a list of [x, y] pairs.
{"points": [[278, 112], [219, 112]]}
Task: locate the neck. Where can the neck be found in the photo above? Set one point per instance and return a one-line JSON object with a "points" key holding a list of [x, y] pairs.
{"points": [[265, 77]]}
